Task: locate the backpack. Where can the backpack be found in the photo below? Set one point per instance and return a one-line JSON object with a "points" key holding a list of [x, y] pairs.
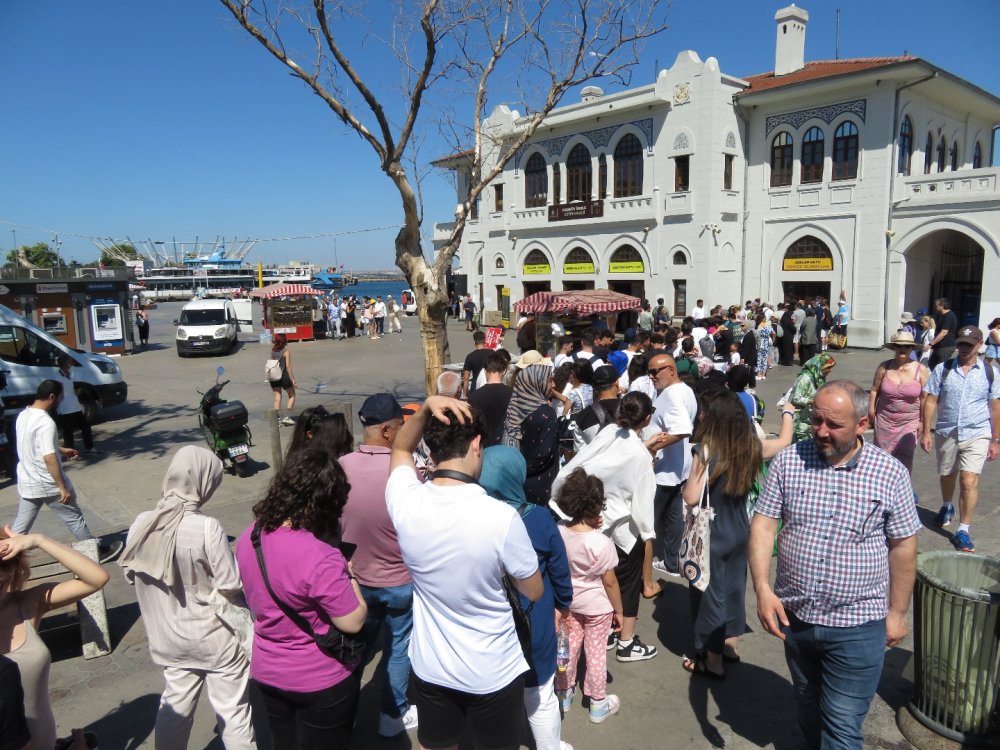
{"points": [[273, 370]]}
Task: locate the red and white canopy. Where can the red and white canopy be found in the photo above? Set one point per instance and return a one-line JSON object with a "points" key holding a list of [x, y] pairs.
{"points": [[284, 290], [582, 302]]}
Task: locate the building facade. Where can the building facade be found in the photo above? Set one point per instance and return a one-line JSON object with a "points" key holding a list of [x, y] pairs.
{"points": [[869, 177]]}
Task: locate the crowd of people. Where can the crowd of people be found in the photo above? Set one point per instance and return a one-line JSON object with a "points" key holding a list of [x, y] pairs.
{"points": [[520, 516]]}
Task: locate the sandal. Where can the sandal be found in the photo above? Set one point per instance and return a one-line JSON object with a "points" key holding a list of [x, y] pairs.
{"points": [[697, 666], [727, 659]]}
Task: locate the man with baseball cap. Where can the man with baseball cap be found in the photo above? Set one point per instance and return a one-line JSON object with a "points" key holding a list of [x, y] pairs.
{"points": [[963, 405], [604, 409], [378, 563]]}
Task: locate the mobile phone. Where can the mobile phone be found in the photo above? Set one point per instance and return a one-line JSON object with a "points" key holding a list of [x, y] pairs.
{"points": [[347, 550]]}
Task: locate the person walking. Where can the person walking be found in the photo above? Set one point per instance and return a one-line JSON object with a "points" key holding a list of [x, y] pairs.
{"points": [[280, 352], [808, 338], [993, 344], [311, 697], [350, 317], [765, 339], [470, 311], [379, 315], [70, 417], [842, 589], [378, 562], [532, 426], [896, 399], [787, 338], [142, 323], [926, 337], [809, 380], [727, 459], [176, 557], [945, 325], [334, 314], [962, 410], [392, 309]]}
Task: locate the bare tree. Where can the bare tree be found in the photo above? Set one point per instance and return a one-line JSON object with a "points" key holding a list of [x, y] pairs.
{"points": [[467, 51]]}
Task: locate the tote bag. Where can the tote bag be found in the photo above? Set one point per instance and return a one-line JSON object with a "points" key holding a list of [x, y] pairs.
{"points": [[694, 551]]}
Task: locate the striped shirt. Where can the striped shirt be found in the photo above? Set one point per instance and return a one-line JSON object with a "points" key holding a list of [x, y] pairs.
{"points": [[833, 563], [963, 402]]}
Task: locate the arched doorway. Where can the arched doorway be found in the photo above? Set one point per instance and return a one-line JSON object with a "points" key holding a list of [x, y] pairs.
{"points": [[536, 264], [579, 265], [627, 262], [806, 267], [945, 263]]}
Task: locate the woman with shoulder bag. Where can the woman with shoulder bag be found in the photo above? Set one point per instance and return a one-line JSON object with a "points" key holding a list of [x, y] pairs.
{"points": [[176, 558], [725, 464], [279, 352], [298, 588]]}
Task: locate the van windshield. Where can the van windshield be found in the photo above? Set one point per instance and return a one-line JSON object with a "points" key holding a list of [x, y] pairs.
{"points": [[203, 317]]}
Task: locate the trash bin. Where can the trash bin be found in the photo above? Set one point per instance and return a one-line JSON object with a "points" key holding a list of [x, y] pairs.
{"points": [[957, 646]]}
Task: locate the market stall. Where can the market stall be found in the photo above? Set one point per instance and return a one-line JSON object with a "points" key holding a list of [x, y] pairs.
{"points": [[291, 309], [573, 309]]}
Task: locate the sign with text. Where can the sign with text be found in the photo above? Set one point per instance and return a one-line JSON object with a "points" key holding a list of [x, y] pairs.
{"points": [[494, 337], [580, 210], [536, 269], [807, 264], [627, 266], [51, 288], [579, 268]]}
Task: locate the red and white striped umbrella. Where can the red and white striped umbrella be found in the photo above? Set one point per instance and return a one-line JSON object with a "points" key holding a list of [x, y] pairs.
{"points": [[284, 290], [582, 302]]}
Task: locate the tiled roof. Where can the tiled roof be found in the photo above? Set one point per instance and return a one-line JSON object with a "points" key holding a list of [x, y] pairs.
{"points": [[456, 157], [821, 69]]}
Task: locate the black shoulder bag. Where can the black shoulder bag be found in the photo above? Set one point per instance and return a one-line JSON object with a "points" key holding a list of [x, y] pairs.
{"points": [[347, 649], [522, 623]]}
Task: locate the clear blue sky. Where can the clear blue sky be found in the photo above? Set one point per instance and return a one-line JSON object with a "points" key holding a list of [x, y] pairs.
{"points": [[164, 120]]}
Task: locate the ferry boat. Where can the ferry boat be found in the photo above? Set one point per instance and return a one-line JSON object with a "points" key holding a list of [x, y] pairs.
{"points": [[214, 275], [327, 281]]}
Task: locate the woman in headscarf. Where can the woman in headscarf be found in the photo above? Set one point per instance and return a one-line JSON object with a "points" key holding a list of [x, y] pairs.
{"points": [[532, 425], [176, 557], [503, 474], [807, 382]]}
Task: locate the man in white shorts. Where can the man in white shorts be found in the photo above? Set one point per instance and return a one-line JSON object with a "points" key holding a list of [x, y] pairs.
{"points": [[963, 403]]}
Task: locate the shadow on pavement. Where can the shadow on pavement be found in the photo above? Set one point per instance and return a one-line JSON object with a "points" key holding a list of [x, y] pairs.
{"points": [[61, 631], [927, 519], [128, 726]]}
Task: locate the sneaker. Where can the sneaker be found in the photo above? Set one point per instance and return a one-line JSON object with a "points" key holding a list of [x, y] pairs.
{"points": [[286, 421], [944, 516], [963, 542], [635, 651], [602, 709], [565, 698], [110, 551], [390, 726], [565, 745], [661, 568], [612, 640]]}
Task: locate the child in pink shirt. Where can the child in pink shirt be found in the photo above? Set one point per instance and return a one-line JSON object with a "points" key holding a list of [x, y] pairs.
{"points": [[597, 604]]}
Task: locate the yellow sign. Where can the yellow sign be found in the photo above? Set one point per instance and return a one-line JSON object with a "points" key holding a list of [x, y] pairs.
{"points": [[537, 269], [627, 266], [579, 268], [807, 264]]}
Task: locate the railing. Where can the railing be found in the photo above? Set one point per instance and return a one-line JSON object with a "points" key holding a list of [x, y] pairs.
{"points": [[963, 185]]}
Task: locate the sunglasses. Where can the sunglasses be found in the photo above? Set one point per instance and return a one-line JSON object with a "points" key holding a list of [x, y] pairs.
{"points": [[654, 371]]}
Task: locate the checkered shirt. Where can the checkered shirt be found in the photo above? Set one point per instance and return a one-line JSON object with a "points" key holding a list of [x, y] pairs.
{"points": [[833, 563]]}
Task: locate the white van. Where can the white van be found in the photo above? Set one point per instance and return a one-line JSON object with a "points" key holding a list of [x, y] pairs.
{"points": [[29, 355], [207, 326]]}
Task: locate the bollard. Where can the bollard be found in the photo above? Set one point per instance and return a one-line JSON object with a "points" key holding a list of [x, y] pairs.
{"points": [[277, 454], [93, 612]]}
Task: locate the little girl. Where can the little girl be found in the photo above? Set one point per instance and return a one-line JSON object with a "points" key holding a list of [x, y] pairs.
{"points": [[597, 603]]}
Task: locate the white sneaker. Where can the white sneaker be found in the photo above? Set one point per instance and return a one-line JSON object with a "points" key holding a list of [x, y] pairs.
{"points": [[410, 718], [659, 567], [390, 726]]}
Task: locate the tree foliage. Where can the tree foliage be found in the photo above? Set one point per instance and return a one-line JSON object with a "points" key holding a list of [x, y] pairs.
{"points": [[117, 254], [456, 59], [39, 255]]}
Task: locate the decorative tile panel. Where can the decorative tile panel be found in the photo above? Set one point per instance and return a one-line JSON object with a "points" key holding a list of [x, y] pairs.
{"points": [[826, 113]]}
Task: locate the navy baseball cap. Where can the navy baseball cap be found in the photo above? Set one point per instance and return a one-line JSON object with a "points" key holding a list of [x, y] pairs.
{"points": [[378, 409]]}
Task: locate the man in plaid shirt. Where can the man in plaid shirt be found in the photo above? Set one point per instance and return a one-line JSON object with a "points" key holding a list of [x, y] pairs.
{"points": [[846, 564]]}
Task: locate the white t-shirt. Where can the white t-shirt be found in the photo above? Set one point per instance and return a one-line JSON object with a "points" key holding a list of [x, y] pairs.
{"points": [[768, 313], [70, 404], [697, 313], [457, 541], [36, 438], [675, 410]]}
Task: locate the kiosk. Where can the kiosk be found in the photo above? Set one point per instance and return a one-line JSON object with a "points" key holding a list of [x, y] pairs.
{"points": [[290, 309]]}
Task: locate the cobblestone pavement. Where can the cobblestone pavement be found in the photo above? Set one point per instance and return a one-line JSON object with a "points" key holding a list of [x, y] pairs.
{"points": [[662, 706]]}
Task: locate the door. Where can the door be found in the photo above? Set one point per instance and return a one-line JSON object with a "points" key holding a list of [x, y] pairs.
{"points": [[573, 286], [531, 287], [805, 290], [244, 314], [635, 289]]}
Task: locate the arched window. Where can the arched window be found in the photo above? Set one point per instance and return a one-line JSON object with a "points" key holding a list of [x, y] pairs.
{"points": [[578, 260], [845, 151], [536, 182], [578, 174], [626, 259], [628, 167], [942, 151], [928, 154], [808, 254], [479, 267], [905, 146], [499, 263], [602, 177], [977, 156], [536, 264], [680, 259], [953, 156], [812, 155], [781, 160]]}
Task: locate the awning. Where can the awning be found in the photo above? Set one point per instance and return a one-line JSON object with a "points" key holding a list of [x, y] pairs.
{"points": [[582, 302], [284, 290]]}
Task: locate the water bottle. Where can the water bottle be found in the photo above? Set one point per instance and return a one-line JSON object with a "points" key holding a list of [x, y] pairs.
{"points": [[562, 650]]}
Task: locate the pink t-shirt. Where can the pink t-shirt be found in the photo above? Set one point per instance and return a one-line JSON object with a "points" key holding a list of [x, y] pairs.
{"points": [[590, 555], [310, 577], [365, 521]]}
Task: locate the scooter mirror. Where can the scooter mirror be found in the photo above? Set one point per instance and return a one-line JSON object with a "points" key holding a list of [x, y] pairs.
{"points": [[219, 370]]}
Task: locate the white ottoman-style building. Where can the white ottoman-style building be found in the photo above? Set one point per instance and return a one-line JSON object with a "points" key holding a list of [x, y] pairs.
{"points": [[869, 176]]}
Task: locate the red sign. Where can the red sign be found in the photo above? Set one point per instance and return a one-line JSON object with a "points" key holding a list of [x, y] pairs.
{"points": [[494, 337]]}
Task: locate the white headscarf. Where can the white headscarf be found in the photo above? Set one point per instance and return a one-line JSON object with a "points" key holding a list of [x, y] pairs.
{"points": [[194, 475]]}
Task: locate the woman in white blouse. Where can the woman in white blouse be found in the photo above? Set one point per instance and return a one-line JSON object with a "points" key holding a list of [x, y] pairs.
{"points": [[176, 556]]}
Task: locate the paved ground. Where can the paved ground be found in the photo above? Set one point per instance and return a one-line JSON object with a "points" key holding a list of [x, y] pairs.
{"points": [[117, 695]]}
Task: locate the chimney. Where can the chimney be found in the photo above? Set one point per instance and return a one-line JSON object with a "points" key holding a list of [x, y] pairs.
{"points": [[591, 93], [790, 48]]}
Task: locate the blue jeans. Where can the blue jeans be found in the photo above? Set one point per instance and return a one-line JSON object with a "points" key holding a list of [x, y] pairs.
{"points": [[835, 672], [392, 606]]}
